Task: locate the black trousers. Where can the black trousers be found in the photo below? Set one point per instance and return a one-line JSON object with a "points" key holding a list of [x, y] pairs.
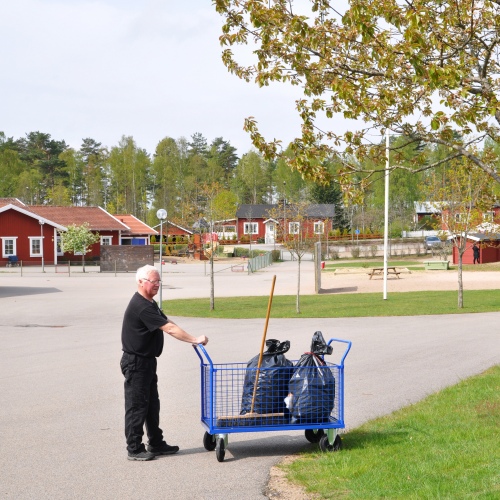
{"points": [[142, 403]]}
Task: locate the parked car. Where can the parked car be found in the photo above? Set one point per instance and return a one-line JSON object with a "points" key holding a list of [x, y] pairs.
{"points": [[431, 242]]}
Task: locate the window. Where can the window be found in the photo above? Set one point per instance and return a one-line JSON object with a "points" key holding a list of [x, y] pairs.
{"points": [[319, 227], [36, 249], [59, 246], [293, 227], [106, 240], [9, 246], [251, 228], [488, 216], [463, 218]]}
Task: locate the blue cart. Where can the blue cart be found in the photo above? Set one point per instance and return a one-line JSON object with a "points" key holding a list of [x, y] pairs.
{"points": [[222, 390]]}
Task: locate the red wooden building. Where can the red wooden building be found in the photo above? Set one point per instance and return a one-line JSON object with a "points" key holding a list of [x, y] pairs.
{"points": [[489, 249], [32, 232], [261, 221]]}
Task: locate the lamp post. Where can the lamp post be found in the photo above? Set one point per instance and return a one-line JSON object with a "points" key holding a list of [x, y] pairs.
{"points": [[162, 215], [284, 210], [42, 222]]}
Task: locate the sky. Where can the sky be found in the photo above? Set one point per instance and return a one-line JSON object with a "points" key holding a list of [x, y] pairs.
{"points": [[148, 69]]}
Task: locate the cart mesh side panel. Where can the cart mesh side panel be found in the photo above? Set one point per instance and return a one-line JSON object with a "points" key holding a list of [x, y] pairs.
{"points": [[232, 400]]}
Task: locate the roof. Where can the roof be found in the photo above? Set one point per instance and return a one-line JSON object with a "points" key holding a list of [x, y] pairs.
{"points": [[254, 211], [314, 210], [170, 223], [12, 201], [428, 207], [24, 210], [136, 227], [96, 217]]}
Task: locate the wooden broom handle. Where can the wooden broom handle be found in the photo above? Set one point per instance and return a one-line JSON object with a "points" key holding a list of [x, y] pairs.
{"points": [[263, 343]]}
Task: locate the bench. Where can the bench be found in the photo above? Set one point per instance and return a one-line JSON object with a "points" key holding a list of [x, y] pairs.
{"points": [[375, 271], [228, 250], [443, 265], [12, 261]]}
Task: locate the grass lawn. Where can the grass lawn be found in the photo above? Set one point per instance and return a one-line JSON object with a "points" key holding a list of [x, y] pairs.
{"points": [[339, 306], [446, 446]]}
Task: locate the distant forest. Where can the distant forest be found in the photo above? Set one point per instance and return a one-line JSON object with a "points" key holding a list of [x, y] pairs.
{"points": [[189, 178]]}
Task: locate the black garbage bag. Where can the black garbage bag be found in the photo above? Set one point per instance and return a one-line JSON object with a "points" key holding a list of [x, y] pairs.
{"points": [[272, 381], [311, 395]]}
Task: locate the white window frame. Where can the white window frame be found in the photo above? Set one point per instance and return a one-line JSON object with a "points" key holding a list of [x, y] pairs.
{"points": [[488, 216], [33, 239], [59, 246], [462, 217], [6, 239], [106, 240], [251, 228], [293, 227], [319, 227]]}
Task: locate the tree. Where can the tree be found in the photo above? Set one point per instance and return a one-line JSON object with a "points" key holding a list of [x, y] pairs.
{"points": [[226, 157], [425, 69], [251, 178], [11, 167], [78, 239], [94, 157], [294, 234], [41, 153], [129, 178], [467, 195], [211, 193]]}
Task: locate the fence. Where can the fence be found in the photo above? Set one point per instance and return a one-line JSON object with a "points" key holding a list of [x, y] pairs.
{"points": [[259, 262]]}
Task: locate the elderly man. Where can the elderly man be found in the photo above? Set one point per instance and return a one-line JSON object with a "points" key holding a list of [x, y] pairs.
{"points": [[143, 330]]}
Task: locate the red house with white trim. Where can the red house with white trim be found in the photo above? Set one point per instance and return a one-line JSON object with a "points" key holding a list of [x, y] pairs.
{"points": [[32, 233]]}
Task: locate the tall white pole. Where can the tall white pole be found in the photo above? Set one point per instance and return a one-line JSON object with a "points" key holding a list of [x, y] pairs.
{"points": [[162, 215], [386, 210], [41, 245], [161, 263]]}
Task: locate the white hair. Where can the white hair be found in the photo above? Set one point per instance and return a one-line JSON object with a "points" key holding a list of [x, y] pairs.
{"points": [[144, 272]]}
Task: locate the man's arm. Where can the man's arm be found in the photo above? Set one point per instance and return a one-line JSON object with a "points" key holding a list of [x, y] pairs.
{"points": [[180, 334]]}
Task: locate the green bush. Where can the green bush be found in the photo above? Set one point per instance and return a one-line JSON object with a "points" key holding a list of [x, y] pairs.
{"points": [[276, 255], [241, 252]]}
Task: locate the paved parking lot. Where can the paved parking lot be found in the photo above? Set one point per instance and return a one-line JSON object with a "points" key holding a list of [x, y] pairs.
{"points": [[61, 401]]}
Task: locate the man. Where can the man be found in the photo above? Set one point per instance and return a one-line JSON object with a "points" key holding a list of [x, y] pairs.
{"points": [[475, 251], [143, 330]]}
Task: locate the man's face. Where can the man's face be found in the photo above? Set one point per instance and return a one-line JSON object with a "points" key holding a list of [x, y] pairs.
{"points": [[151, 284]]}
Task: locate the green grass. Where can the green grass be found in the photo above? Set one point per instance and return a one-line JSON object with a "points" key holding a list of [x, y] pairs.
{"points": [[339, 306], [446, 446]]}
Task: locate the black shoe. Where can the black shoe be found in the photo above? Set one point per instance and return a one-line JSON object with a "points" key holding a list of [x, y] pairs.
{"points": [[162, 449], [142, 456]]}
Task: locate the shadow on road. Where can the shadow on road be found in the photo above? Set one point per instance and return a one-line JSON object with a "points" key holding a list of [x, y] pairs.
{"points": [[19, 291]]}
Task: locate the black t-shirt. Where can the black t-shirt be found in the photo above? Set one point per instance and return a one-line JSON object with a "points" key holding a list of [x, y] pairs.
{"points": [[141, 332]]}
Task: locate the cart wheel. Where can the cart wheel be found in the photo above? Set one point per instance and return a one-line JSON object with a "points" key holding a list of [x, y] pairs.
{"points": [[324, 445], [220, 450], [314, 435], [209, 442]]}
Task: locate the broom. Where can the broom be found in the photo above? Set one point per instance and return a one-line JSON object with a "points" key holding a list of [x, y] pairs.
{"points": [[252, 414]]}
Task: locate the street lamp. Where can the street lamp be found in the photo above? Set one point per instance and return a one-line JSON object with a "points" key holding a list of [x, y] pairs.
{"points": [[162, 215], [42, 222], [284, 210]]}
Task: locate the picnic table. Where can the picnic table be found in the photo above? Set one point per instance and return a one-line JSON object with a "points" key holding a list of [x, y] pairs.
{"points": [[375, 271]]}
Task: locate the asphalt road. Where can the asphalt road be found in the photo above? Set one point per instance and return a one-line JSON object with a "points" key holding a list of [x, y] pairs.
{"points": [[61, 390]]}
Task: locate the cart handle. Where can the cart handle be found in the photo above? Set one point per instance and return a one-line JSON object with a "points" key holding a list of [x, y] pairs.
{"points": [[348, 348], [200, 347]]}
